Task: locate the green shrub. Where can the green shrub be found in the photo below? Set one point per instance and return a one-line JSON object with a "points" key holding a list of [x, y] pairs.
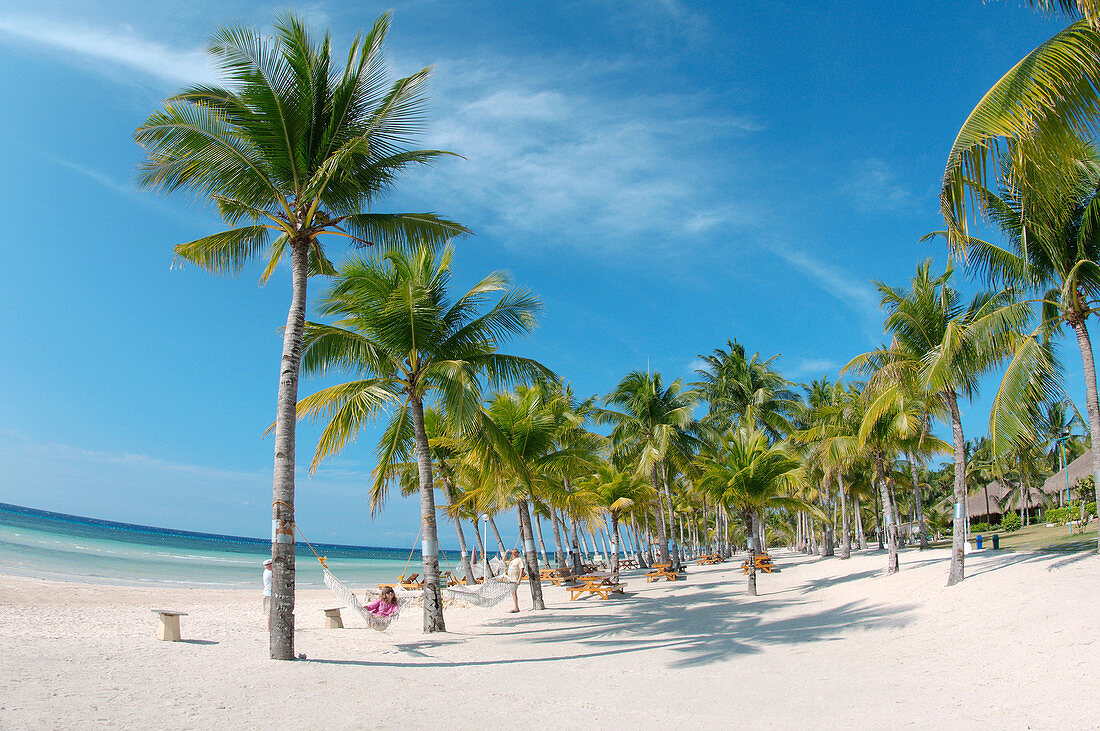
{"points": [[1059, 516], [980, 528], [1011, 522]]}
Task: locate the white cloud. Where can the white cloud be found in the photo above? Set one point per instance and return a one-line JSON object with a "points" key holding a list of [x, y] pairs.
{"points": [[811, 367], [116, 46], [874, 187], [856, 293], [551, 158]]}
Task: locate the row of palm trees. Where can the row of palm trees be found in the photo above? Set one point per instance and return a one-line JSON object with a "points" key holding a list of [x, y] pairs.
{"points": [[299, 148]]}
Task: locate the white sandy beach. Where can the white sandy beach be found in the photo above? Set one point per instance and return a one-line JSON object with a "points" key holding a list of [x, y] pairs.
{"points": [[827, 643]]}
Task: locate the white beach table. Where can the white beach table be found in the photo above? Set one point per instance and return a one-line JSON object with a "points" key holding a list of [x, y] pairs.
{"points": [[168, 629]]}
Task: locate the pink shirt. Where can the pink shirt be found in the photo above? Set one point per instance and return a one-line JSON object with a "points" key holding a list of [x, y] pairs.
{"points": [[380, 609]]}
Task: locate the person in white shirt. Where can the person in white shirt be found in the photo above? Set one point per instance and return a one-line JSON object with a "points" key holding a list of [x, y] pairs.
{"points": [[267, 591], [515, 573]]}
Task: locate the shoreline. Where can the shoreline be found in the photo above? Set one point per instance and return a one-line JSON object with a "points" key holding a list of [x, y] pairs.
{"points": [[827, 642]]}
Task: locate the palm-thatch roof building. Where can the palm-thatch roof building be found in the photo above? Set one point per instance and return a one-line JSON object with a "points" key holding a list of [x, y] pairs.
{"points": [[1079, 469]]}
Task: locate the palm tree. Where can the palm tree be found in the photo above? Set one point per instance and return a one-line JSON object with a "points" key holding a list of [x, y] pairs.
{"points": [[397, 330], [747, 475], [1049, 213], [653, 425], [528, 429], [736, 387], [616, 493], [300, 149], [934, 347], [1050, 93]]}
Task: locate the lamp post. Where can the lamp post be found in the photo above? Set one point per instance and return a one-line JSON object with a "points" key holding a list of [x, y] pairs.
{"points": [[1063, 436]]}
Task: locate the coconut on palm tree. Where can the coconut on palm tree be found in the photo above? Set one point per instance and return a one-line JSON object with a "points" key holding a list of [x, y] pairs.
{"points": [[397, 329], [295, 149]]}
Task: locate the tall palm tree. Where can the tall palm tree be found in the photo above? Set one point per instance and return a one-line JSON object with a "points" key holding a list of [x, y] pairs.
{"points": [[1049, 214], [397, 329], [299, 148], [1050, 92], [737, 387], [653, 424], [933, 347], [747, 475]]}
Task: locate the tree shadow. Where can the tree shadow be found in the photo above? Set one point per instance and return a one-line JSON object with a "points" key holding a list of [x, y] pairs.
{"points": [[199, 642]]}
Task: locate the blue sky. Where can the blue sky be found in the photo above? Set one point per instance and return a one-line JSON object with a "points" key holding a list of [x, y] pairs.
{"points": [[665, 175]]}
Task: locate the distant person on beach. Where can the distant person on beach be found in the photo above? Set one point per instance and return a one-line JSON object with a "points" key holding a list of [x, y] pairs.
{"points": [[384, 605], [267, 591], [515, 573]]}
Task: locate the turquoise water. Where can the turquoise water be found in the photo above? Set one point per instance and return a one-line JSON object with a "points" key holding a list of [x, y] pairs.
{"points": [[70, 548]]}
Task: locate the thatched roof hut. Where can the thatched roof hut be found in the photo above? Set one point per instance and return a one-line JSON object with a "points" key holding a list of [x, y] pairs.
{"points": [[1079, 468]]}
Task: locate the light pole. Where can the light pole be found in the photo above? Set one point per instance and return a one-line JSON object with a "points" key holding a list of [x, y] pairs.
{"points": [[1063, 436]]}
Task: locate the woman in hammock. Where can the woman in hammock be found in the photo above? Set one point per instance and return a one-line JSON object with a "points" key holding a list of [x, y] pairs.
{"points": [[385, 605]]}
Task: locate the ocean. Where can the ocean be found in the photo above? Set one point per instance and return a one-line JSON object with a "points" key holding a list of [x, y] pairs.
{"points": [[71, 548]]}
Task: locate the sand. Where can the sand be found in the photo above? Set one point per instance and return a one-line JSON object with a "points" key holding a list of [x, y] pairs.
{"points": [[827, 643]]}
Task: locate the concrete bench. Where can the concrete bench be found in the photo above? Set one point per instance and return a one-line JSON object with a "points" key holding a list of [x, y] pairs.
{"points": [[168, 629], [333, 620]]}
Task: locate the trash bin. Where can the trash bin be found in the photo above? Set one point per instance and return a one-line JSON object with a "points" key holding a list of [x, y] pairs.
{"points": [[978, 541], [996, 542]]}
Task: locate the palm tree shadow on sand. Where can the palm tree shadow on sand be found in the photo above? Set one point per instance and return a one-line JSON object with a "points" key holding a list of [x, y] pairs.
{"points": [[703, 627]]}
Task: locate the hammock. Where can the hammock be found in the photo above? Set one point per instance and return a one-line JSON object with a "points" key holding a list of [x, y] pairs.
{"points": [[488, 594], [348, 598]]}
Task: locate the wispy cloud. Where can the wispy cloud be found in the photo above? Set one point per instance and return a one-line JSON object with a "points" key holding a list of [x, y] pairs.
{"points": [[116, 46], [857, 294], [552, 159], [811, 367], [874, 187]]}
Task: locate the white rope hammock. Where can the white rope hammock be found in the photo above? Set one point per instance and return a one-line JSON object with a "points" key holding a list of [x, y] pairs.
{"points": [[488, 594], [348, 598]]}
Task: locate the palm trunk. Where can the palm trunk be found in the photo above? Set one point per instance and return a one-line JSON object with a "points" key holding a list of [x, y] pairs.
{"points": [[878, 521], [429, 547], [845, 526], [1089, 366], [542, 544], [578, 565], [480, 543], [890, 518], [530, 557], [750, 519], [638, 552], [615, 547], [662, 533], [584, 545], [281, 612], [464, 556], [958, 537], [559, 553], [500, 543], [919, 501], [826, 525]]}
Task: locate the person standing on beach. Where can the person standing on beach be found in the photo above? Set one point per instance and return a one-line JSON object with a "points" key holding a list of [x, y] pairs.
{"points": [[515, 573], [267, 591]]}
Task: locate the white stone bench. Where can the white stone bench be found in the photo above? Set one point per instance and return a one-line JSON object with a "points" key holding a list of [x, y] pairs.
{"points": [[333, 620], [168, 629]]}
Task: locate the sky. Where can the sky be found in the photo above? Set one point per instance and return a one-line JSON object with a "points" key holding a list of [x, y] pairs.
{"points": [[665, 175]]}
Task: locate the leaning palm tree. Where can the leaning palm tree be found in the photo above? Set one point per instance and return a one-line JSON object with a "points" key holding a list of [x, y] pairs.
{"points": [[399, 332], [299, 148], [653, 424]]}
